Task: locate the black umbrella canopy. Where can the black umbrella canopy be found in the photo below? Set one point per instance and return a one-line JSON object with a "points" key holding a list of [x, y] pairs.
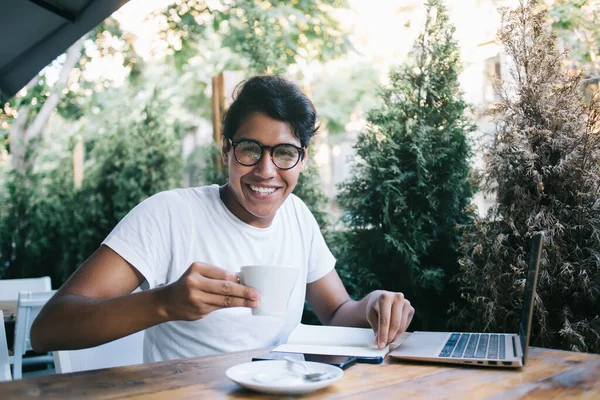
{"points": [[34, 32]]}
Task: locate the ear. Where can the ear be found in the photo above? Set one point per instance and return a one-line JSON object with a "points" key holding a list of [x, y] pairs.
{"points": [[225, 151]]}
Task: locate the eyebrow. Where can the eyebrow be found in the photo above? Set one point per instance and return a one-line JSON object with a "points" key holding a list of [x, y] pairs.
{"points": [[257, 141]]}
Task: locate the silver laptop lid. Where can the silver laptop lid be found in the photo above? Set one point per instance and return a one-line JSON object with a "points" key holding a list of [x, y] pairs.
{"points": [[530, 285]]}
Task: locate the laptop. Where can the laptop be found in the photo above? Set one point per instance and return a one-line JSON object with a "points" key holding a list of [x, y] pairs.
{"points": [[480, 349]]}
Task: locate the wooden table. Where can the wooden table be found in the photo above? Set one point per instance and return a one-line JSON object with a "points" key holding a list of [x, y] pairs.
{"points": [[548, 374]]}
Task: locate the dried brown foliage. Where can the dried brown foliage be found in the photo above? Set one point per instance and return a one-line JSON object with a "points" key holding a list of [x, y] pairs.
{"points": [[544, 165]]}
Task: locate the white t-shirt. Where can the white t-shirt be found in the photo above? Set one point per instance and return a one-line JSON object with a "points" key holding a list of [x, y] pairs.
{"points": [[166, 233]]}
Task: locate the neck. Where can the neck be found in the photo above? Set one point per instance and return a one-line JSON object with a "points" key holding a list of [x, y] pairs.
{"points": [[233, 205]]}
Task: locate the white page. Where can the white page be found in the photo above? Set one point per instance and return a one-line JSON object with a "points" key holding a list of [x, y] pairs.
{"points": [[335, 340], [332, 350], [332, 335]]}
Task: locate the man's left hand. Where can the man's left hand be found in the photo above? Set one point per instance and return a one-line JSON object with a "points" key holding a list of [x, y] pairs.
{"points": [[389, 314]]}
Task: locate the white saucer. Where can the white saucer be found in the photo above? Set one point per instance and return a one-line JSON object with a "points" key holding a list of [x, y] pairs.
{"points": [[284, 378]]}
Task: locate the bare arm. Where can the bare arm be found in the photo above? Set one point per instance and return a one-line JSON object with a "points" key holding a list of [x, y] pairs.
{"points": [[96, 305], [388, 313], [332, 304]]}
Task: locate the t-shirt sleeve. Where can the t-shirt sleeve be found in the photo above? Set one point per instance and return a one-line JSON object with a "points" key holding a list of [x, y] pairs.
{"points": [[145, 236], [320, 260]]}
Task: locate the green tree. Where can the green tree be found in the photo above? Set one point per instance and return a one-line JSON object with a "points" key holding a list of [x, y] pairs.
{"points": [[266, 35], [410, 187], [338, 95], [576, 23], [29, 221], [48, 227], [204, 162], [24, 119], [309, 190], [544, 165]]}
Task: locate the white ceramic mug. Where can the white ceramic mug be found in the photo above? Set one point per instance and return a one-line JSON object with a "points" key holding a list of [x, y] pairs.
{"points": [[275, 284]]}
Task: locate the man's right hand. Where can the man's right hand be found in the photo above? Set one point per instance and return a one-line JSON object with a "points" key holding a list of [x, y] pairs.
{"points": [[202, 289], [96, 304]]}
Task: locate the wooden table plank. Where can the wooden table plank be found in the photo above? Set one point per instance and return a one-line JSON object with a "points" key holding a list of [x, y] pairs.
{"points": [[548, 374], [476, 382], [579, 382]]}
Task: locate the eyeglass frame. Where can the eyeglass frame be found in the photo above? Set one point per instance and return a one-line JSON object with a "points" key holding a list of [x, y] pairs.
{"points": [[301, 152]]}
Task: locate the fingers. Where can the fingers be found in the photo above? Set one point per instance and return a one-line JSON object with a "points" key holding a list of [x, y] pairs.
{"points": [[229, 289], [390, 316], [397, 314], [405, 317], [373, 318], [220, 288], [212, 272], [384, 304], [224, 301], [408, 314]]}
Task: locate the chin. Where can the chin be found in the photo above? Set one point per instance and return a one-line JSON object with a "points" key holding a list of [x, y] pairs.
{"points": [[262, 214]]}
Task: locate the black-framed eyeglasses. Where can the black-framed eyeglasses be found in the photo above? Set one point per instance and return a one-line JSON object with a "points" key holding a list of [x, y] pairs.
{"points": [[249, 152]]}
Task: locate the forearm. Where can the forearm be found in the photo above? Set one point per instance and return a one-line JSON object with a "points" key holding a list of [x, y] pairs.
{"points": [[352, 313], [73, 322]]}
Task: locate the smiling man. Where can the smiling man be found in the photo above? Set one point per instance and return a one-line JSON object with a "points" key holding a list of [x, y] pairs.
{"points": [[259, 185], [185, 247]]}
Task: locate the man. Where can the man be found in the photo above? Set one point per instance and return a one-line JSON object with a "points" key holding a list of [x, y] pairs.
{"points": [[185, 248]]}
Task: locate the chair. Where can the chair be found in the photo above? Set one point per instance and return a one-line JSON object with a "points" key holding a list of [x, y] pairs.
{"points": [[29, 305], [4, 360], [125, 351], [10, 288]]}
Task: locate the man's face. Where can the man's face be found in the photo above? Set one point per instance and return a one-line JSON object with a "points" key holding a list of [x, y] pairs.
{"points": [[255, 193]]}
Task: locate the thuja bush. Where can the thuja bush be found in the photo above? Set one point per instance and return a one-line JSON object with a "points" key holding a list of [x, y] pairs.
{"points": [[544, 166], [410, 186]]}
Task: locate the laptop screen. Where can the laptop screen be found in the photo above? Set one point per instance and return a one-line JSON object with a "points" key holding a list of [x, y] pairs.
{"points": [[530, 284]]}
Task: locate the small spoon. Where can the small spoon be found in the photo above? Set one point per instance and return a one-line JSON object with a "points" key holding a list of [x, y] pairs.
{"points": [[309, 376]]}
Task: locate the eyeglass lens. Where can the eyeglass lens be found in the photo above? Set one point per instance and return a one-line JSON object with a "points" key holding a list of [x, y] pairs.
{"points": [[284, 155]]}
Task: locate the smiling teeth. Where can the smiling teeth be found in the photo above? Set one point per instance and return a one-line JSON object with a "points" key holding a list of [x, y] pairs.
{"points": [[262, 190]]}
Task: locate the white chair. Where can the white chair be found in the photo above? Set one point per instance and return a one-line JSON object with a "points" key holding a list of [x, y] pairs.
{"points": [[4, 361], [10, 288], [125, 351], [29, 305], [9, 292]]}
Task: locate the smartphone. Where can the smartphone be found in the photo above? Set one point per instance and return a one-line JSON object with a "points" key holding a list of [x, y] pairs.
{"points": [[370, 360], [342, 362], [339, 361]]}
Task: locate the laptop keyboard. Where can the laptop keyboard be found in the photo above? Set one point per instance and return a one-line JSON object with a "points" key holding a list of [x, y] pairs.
{"points": [[475, 345]]}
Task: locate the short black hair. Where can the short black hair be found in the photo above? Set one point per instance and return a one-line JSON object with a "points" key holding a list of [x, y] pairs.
{"points": [[277, 98]]}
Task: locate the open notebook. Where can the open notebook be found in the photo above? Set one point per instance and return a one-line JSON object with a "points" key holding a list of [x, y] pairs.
{"points": [[332, 340]]}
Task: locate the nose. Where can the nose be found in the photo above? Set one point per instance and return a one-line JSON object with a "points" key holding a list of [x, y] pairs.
{"points": [[265, 168]]}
